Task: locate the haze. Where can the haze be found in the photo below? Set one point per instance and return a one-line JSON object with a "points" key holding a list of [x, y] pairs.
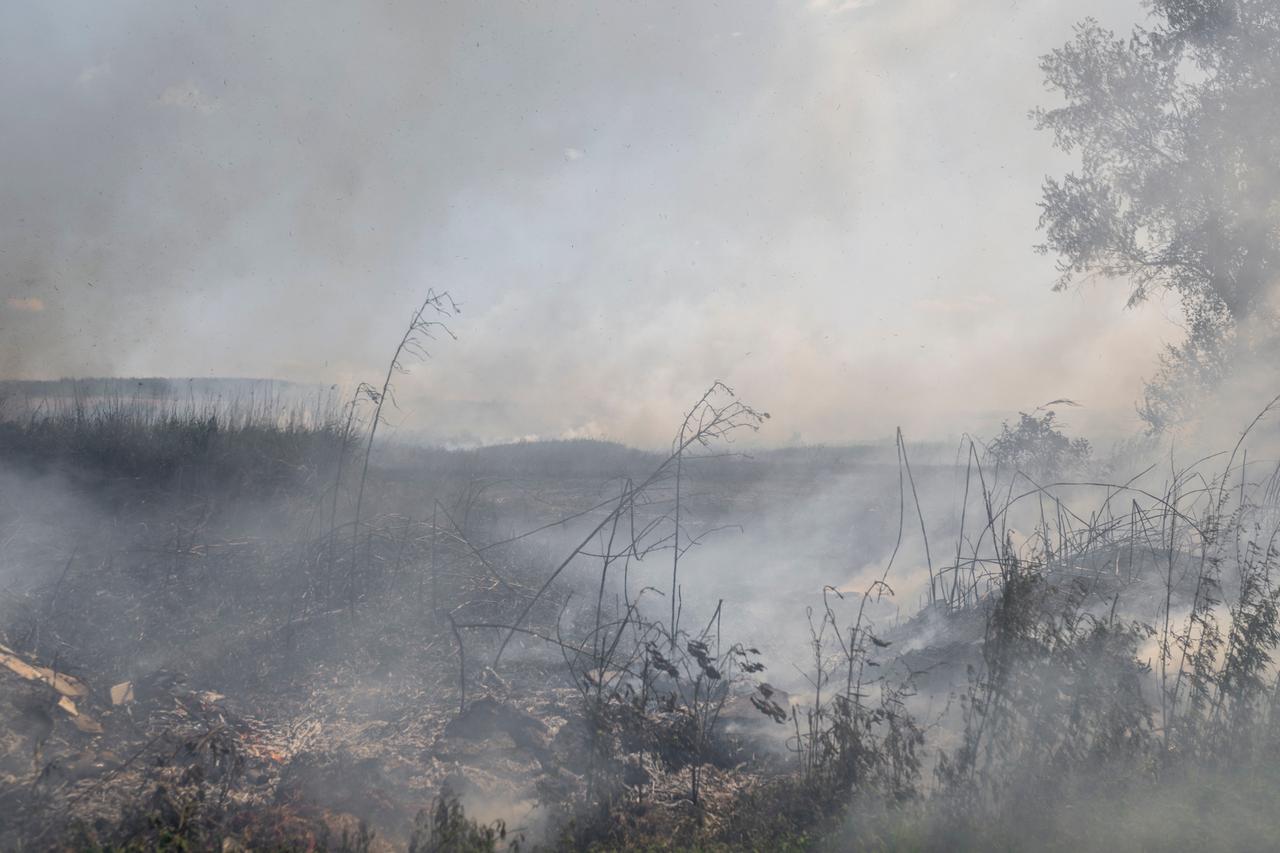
{"points": [[831, 206]]}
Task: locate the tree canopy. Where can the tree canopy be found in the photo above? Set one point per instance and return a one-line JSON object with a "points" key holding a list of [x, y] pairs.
{"points": [[1177, 129], [1037, 446]]}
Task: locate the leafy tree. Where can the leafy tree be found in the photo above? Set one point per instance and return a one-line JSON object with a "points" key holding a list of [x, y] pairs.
{"points": [[1177, 127], [1038, 447]]}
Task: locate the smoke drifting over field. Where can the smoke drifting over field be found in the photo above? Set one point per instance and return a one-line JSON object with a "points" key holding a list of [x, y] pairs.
{"points": [[664, 433], [825, 204]]}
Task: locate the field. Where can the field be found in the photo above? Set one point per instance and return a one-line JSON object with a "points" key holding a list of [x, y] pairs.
{"points": [[246, 625]]}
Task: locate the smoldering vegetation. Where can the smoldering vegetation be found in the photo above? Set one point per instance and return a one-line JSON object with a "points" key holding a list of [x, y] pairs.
{"points": [[238, 617], [251, 627]]}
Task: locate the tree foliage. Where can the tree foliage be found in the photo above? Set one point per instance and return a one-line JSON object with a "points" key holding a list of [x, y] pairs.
{"points": [[1038, 446], [1177, 129]]}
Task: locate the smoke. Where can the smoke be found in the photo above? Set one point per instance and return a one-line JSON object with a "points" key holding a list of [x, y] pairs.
{"points": [[823, 205]]}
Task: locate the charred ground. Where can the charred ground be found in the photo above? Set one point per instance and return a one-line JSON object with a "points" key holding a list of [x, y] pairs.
{"points": [[206, 647]]}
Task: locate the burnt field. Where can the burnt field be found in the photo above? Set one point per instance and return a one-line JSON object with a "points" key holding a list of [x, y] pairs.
{"points": [[764, 498], [222, 629], [202, 642]]}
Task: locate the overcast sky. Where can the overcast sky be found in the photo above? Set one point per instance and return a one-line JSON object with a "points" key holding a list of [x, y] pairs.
{"points": [[829, 205]]}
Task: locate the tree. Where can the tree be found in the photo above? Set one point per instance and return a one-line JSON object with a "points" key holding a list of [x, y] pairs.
{"points": [[1037, 446], [1177, 128]]}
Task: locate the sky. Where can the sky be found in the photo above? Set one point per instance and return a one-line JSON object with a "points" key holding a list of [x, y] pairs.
{"points": [[830, 205]]}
